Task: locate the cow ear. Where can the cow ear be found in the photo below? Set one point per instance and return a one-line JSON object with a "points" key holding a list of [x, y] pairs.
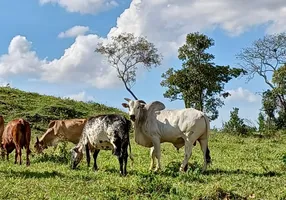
{"points": [[126, 99], [125, 105], [142, 102], [156, 106]]}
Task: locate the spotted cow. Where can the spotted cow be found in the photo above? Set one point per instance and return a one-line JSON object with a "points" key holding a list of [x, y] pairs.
{"points": [[104, 132]]}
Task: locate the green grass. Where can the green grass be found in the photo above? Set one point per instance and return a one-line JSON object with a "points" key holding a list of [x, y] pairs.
{"points": [[242, 168], [40, 109]]}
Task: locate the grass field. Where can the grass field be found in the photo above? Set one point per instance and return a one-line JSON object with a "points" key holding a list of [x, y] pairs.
{"points": [[243, 167]]}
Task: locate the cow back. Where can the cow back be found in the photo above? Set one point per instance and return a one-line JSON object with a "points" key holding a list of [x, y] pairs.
{"points": [[17, 130]]}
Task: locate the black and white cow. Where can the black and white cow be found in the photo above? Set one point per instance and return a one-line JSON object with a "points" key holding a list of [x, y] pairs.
{"points": [[104, 132]]}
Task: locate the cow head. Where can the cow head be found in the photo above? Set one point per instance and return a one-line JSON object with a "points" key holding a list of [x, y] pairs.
{"points": [[134, 108], [76, 156], [39, 146]]}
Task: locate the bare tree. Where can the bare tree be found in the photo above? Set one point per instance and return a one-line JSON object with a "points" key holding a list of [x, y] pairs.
{"points": [[264, 57], [126, 53]]}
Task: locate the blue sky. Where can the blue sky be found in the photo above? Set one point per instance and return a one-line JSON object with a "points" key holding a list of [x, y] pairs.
{"points": [[47, 45]]}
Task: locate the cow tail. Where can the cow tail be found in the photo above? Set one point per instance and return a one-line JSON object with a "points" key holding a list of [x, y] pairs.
{"points": [[130, 153], [208, 157]]}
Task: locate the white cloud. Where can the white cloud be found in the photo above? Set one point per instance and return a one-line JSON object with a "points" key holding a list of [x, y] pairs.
{"points": [[241, 94], [164, 22], [82, 96], [84, 6], [81, 64], [20, 58], [74, 32], [4, 83]]}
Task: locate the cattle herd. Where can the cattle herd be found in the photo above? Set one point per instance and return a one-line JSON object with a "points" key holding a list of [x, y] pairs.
{"points": [[152, 123]]}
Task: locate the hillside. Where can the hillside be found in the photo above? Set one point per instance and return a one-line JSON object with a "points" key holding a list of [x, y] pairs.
{"points": [[242, 167], [40, 109]]}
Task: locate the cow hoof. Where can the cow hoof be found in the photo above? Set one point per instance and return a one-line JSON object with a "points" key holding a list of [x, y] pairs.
{"points": [[157, 170], [182, 169], [123, 174]]}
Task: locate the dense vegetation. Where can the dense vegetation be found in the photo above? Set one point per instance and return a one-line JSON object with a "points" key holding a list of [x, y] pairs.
{"points": [[243, 167]]}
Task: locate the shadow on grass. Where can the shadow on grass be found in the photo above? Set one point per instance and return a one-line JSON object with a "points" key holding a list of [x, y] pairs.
{"points": [[239, 171], [31, 174], [51, 158], [219, 193]]}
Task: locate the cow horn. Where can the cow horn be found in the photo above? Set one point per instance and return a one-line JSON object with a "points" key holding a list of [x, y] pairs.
{"points": [[126, 99], [141, 101]]}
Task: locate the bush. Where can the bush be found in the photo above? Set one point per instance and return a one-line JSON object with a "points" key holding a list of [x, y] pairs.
{"points": [[236, 125]]}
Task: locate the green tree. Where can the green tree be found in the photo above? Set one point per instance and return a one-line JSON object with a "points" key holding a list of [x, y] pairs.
{"points": [[261, 122], [266, 58], [126, 53], [236, 125], [200, 83]]}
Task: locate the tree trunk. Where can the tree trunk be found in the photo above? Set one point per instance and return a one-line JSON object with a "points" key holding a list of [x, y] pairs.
{"points": [[128, 89], [187, 104]]}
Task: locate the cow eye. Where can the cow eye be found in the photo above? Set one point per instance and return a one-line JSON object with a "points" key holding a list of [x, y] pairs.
{"points": [[138, 107]]}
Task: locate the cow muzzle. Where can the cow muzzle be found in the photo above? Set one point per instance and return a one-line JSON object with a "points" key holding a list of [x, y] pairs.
{"points": [[132, 117]]}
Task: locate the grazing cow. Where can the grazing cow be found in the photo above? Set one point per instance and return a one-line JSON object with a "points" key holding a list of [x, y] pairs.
{"points": [[60, 130], [104, 132], [154, 125], [16, 135]]}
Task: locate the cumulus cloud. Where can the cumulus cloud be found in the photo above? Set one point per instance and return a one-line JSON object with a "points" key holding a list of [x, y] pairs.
{"points": [[20, 58], [81, 96], [164, 22], [74, 32], [84, 6], [241, 94], [81, 64], [4, 83]]}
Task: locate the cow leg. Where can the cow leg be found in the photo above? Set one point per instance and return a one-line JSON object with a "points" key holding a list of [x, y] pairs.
{"points": [[16, 156], [120, 159], [188, 153], [95, 154], [87, 155], [20, 156], [157, 151], [152, 156], [28, 151], [206, 153], [125, 158]]}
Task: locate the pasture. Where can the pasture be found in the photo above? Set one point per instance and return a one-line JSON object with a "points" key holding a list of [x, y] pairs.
{"points": [[242, 168]]}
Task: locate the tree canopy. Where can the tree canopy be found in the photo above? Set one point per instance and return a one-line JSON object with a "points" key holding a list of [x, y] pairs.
{"points": [[126, 53], [266, 58], [199, 83]]}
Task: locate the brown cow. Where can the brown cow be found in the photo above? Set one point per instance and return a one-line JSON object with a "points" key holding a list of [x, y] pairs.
{"points": [[60, 130], [17, 134]]}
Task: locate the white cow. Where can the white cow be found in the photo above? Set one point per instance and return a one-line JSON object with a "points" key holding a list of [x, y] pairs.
{"points": [[154, 125]]}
